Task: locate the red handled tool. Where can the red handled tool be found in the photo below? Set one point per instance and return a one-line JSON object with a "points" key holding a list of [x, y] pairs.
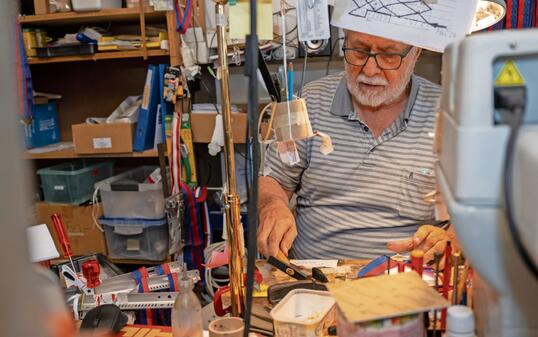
{"points": [[59, 227]]}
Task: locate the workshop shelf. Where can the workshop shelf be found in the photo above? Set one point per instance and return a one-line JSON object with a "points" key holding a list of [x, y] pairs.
{"points": [[100, 56], [81, 18], [70, 153]]}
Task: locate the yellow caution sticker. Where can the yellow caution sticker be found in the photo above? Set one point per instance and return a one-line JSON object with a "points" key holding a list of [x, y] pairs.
{"points": [[509, 76]]}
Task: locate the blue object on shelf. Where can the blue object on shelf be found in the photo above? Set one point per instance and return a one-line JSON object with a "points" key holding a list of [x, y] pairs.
{"points": [[44, 128]]}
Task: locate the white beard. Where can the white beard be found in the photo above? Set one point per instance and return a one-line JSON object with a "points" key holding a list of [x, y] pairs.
{"points": [[376, 98]]}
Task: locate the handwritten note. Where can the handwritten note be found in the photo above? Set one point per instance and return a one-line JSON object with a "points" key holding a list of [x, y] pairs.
{"points": [[420, 23]]}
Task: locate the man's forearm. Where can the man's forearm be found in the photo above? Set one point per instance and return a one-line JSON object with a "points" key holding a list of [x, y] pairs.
{"points": [[272, 192]]}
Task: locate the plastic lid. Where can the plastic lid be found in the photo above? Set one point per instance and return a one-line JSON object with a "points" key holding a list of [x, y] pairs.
{"points": [[460, 320]]}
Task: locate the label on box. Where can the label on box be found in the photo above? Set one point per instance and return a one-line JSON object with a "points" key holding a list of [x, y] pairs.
{"points": [[59, 187], [133, 245], [47, 124], [102, 143]]}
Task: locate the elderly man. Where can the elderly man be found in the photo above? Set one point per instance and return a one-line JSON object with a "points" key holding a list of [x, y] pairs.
{"points": [[368, 196]]}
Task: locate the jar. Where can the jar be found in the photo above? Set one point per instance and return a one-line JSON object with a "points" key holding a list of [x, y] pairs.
{"points": [[30, 42]]}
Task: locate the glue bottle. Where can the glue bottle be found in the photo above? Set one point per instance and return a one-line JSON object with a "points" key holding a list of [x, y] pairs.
{"points": [[187, 311], [460, 322]]}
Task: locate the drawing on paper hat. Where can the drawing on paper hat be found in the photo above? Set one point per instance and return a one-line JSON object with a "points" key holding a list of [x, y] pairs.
{"points": [[429, 24]]}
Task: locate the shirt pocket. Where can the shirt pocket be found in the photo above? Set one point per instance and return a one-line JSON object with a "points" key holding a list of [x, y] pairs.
{"points": [[414, 185]]}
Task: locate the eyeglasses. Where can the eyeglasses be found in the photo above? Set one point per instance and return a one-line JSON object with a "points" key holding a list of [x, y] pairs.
{"points": [[385, 61]]}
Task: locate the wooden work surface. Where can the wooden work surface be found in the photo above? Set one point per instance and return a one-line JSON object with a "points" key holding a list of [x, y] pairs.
{"points": [[261, 307]]}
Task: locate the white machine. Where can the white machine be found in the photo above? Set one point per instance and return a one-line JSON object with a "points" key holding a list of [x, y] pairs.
{"points": [[487, 79]]}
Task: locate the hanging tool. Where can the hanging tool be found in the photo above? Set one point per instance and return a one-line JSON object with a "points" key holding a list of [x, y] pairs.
{"points": [[437, 260], [59, 227], [447, 271]]}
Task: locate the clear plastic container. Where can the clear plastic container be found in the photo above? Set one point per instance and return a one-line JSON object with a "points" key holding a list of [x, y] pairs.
{"points": [[94, 5], [129, 195], [304, 313], [136, 239], [73, 182]]}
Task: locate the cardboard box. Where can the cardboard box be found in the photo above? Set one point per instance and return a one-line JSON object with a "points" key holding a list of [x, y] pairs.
{"points": [[203, 124], [41, 6], [83, 234], [103, 138]]}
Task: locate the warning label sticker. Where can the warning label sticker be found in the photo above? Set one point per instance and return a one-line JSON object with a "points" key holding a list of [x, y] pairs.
{"points": [[509, 76]]}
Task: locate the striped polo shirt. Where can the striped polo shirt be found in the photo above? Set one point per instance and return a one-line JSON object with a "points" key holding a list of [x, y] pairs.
{"points": [[368, 191]]}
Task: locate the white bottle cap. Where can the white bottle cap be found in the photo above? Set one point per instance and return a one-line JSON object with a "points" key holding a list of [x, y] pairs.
{"points": [[460, 321]]}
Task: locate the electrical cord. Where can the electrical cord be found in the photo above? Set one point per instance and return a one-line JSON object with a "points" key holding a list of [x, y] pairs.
{"points": [[516, 121], [305, 48], [331, 55]]}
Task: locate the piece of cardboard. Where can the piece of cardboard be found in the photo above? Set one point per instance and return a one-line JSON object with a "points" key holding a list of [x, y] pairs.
{"points": [[41, 7], [83, 235], [203, 124], [103, 138], [380, 297]]}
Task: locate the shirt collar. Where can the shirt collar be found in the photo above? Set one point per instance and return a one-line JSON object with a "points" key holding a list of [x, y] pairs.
{"points": [[342, 106]]}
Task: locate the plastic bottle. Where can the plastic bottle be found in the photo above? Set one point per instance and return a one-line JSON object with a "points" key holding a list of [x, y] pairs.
{"points": [[460, 322], [187, 311]]}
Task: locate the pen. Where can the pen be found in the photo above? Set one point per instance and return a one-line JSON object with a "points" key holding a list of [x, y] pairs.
{"points": [[290, 81]]}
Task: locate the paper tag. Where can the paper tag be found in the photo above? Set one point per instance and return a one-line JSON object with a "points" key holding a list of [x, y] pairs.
{"points": [[315, 263], [59, 187], [133, 245], [155, 176], [102, 143], [313, 20], [220, 20], [147, 90], [326, 146], [288, 152]]}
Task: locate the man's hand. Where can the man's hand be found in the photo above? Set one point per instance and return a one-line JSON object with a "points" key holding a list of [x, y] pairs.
{"points": [[277, 229], [428, 238]]}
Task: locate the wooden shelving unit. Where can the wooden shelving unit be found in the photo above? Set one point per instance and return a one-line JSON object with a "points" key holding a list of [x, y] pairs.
{"points": [[70, 154], [105, 15], [100, 56]]}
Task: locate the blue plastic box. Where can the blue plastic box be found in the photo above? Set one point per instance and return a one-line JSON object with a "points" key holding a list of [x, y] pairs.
{"points": [[44, 128]]}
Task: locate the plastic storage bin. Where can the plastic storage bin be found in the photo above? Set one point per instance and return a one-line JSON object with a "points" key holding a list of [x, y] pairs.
{"points": [[129, 195], [136, 239], [94, 5], [73, 182]]}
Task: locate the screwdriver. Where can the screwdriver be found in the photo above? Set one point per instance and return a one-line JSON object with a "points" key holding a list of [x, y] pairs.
{"points": [[63, 238]]}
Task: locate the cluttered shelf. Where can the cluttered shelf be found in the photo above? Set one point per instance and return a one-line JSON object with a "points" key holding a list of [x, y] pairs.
{"points": [[118, 14], [70, 153], [99, 56]]}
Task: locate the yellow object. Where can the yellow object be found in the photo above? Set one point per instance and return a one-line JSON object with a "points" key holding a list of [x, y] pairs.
{"points": [[186, 138], [262, 292], [240, 20], [509, 76], [30, 43]]}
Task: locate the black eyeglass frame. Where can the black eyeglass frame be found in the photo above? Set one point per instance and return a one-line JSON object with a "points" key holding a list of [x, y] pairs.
{"points": [[402, 55]]}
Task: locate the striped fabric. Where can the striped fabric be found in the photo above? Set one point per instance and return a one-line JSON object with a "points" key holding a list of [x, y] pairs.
{"points": [[519, 14], [369, 191]]}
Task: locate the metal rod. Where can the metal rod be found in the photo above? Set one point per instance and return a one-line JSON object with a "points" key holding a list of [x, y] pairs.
{"points": [[233, 217], [437, 258], [456, 262]]}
